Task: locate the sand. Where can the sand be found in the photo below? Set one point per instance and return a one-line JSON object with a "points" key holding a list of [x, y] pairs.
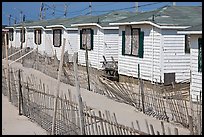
{"points": [[14, 124]]}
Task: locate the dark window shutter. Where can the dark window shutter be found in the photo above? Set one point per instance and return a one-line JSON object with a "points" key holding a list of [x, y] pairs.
{"points": [[11, 31], [92, 38], [187, 46], [23, 35], [35, 37], [141, 44], [81, 39], [40, 33], [123, 42], [200, 55]]}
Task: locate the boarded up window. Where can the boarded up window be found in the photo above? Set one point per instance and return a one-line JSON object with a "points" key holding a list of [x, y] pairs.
{"points": [[200, 55], [87, 39], [22, 35], [11, 34], [135, 41], [57, 34], [187, 44], [128, 40], [37, 34]]}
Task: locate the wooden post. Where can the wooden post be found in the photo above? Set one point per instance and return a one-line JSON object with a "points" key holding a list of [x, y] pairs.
{"points": [[138, 126], [20, 98], [200, 114], [22, 37], [101, 122], [58, 88], [152, 129], [7, 68], [147, 126], [162, 125], [87, 65], [176, 131], [142, 95], [190, 119], [81, 115], [37, 63], [169, 131]]}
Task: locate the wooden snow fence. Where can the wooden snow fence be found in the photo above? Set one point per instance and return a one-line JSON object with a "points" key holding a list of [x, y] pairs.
{"points": [[169, 106], [35, 101]]}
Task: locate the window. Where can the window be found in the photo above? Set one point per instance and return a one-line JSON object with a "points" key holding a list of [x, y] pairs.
{"points": [[132, 42], [37, 34], [187, 44], [57, 34], [200, 55], [22, 36], [11, 34], [86, 39]]}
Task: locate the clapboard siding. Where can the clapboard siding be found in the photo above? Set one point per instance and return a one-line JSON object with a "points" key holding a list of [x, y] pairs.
{"points": [[196, 77], [17, 39], [30, 38], [175, 59], [48, 40], [101, 47], [72, 41], [150, 63], [111, 44]]}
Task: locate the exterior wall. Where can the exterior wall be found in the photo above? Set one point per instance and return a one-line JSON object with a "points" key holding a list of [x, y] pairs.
{"points": [[71, 46], [150, 64], [72, 42], [95, 55], [175, 60], [48, 40], [30, 38], [196, 77], [17, 39], [111, 44]]}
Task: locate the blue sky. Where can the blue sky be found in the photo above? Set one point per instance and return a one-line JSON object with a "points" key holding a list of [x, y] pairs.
{"points": [[31, 10]]}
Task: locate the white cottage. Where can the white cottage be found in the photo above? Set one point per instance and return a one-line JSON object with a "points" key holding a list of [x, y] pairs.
{"points": [[100, 37], [29, 34], [195, 38], [62, 29], [49, 34], [149, 44]]}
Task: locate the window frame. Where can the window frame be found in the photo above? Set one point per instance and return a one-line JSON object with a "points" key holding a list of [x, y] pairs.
{"points": [[131, 54], [91, 39], [40, 37], [60, 41]]}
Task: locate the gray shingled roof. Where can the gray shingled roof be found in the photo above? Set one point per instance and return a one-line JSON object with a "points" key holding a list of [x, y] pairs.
{"points": [[104, 19], [169, 15], [195, 28]]}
